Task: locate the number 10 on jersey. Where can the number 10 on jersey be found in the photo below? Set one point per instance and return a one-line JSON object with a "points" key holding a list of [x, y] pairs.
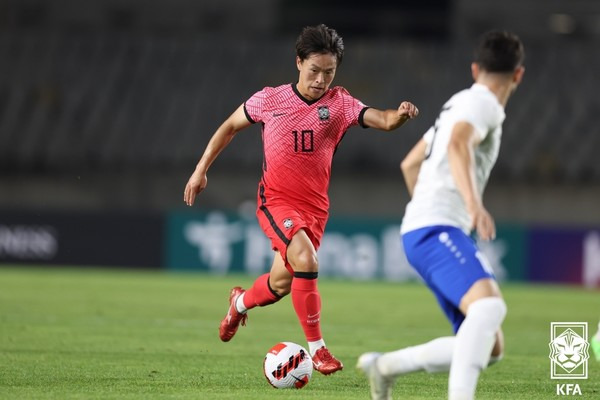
{"points": [[303, 141]]}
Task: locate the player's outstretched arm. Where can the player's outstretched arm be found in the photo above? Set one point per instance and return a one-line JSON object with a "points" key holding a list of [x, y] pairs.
{"points": [[461, 159], [411, 165], [220, 139], [388, 120]]}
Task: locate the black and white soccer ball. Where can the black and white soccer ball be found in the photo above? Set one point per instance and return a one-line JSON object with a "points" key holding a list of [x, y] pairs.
{"points": [[288, 365]]}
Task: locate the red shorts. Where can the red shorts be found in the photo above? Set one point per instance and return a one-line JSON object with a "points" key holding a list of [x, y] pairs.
{"points": [[280, 222]]}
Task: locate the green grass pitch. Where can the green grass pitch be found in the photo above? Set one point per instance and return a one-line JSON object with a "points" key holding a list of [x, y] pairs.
{"points": [[109, 334]]}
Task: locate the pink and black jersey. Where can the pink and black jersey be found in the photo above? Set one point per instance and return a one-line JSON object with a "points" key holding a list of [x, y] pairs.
{"points": [[299, 139]]}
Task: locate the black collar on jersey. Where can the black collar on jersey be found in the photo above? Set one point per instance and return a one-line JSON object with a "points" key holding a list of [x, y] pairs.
{"points": [[304, 99]]}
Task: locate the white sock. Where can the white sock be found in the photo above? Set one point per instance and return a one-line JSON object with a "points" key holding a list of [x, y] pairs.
{"points": [[433, 356], [474, 342], [239, 304], [597, 335], [314, 346]]}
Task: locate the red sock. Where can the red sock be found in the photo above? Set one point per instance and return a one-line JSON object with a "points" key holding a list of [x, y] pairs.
{"points": [[307, 303], [260, 294]]}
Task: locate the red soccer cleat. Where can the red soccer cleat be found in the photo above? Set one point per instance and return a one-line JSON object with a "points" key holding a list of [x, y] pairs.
{"points": [[325, 363], [231, 322]]}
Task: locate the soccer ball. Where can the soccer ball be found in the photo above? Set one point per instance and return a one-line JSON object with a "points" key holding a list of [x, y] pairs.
{"points": [[288, 365]]}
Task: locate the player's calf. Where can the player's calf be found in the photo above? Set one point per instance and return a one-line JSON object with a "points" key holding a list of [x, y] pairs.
{"points": [[474, 342]]}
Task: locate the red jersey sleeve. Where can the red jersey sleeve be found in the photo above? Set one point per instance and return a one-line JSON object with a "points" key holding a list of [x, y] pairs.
{"points": [[254, 106], [354, 109]]}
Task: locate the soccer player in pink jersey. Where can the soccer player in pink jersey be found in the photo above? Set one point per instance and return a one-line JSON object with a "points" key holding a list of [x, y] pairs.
{"points": [[302, 125]]}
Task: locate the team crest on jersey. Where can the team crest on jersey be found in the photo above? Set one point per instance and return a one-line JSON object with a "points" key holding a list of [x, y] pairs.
{"points": [[323, 113], [288, 223]]}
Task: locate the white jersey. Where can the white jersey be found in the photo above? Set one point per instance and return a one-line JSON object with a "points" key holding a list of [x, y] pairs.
{"points": [[436, 199]]}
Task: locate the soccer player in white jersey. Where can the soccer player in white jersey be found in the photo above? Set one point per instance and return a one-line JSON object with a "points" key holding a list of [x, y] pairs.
{"points": [[446, 173]]}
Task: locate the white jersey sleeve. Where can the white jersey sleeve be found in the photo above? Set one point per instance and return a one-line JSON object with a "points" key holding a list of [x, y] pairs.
{"points": [[429, 136], [436, 199], [482, 115]]}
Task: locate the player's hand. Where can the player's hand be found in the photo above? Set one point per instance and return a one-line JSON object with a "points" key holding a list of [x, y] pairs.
{"points": [[408, 110], [483, 223], [195, 185]]}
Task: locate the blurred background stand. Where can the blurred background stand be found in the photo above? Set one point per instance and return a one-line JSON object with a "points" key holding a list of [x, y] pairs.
{"points": [[106, 105]]}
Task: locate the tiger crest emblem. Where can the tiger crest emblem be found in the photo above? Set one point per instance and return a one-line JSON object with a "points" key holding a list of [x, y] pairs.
{"points": [[569, 350]]}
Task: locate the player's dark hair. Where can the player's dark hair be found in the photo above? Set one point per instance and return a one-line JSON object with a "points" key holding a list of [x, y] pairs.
{"points": [[499, 51], [319, 39]]}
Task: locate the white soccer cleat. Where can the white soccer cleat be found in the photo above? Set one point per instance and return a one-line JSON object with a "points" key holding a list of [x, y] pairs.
{"points": [[381, 386]]}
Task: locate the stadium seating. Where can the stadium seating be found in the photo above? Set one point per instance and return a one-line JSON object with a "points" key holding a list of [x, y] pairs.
{"points": [[106, 99]]}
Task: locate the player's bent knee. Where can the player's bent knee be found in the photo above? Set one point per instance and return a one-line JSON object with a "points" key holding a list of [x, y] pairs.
{"points": [[305, 261], [492, 309], [487, 315]]}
